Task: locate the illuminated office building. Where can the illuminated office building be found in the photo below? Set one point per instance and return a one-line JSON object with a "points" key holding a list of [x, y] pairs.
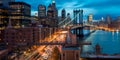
{"points": [[42, 15], [3, 17], [52, 15], [90, 18], [20, 14], [41, 11]]}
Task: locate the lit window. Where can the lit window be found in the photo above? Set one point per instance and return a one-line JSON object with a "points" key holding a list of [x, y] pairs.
{"points": [[20, 40], [7, 43]]}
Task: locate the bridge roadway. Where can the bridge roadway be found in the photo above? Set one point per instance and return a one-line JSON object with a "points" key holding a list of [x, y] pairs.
{"points": [[62, 43], [80, 26]]}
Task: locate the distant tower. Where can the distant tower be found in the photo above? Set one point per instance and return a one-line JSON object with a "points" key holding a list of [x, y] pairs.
{"points": [[90, 18], [41, 11], [108, 19], [68, 18], [52, 14], [63, 16], [63, 13], [53, 3]]}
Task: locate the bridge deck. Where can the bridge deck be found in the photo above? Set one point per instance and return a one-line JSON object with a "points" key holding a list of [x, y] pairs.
{"points": [[82, 43], [51, 44]]}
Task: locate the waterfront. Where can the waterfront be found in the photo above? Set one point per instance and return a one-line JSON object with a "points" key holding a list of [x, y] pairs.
{"points": [[108, 41]]}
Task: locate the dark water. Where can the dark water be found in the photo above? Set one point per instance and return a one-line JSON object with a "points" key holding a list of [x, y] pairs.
{"points": [[108, 41]]}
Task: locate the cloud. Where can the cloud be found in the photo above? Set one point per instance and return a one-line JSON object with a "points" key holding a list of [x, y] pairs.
{"points": [[97, 7], [102, 4]]}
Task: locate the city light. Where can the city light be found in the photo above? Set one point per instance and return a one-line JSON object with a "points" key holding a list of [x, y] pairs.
{"points": [[59, 30]]}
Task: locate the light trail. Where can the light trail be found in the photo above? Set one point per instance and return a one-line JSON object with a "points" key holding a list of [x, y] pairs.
{"points": [[39, 50], [63, 20]]}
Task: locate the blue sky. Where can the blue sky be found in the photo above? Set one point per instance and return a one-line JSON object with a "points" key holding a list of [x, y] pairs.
{"points": [[98, 8]]}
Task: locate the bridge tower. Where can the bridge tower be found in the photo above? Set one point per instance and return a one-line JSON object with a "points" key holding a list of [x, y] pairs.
{"points": [[78, 20]]}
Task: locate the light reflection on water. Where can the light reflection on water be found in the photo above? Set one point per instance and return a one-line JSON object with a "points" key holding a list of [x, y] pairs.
{"points": [[108, 41]]}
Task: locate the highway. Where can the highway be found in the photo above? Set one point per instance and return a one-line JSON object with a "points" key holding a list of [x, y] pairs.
{"points": [[44, 52]]}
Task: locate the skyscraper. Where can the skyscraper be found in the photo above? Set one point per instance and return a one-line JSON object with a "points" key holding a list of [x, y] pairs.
{"points": [[3, 17], [4, 13], [63, 16], [42, 15], [52, 14], [20, 14], [68, 18], [108, 19], [53, 3], [49, 15], [90, 18], [63, 13], [41, 11]]}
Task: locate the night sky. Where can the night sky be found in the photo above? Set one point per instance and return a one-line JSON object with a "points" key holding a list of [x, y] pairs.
{"points": [[98, 8]]}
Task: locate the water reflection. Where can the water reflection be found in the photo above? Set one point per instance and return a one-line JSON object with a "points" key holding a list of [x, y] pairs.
{"points": [[108, 41]]}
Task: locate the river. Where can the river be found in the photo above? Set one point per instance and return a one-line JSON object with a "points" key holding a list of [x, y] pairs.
{"points": [[108, 41]]}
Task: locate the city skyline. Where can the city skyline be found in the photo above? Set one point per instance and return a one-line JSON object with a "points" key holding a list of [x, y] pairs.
{"points": [[99, 8], [82, 30]]}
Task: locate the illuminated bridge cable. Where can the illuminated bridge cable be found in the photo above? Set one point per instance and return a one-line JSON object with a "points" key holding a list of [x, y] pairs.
{"points": [[70, 21], [63, 20]]}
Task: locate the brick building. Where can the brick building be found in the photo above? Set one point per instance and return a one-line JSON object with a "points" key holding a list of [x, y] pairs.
{"points": [[21, 37]]}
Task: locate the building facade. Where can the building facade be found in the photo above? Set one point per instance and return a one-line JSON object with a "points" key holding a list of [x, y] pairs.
{"points": [[4, 17], [2, 42], [108, 19], [41, 11], [63, 14], [20, 14], [90, 18], [21, 37], [52, 15], [34, 19], [42, 15], [70, 53]]}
